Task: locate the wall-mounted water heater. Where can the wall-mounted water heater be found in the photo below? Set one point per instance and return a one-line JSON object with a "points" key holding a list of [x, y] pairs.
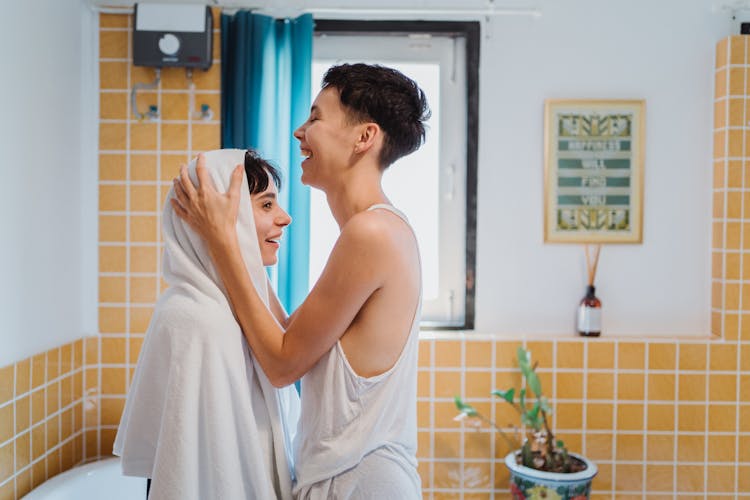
{"points": [[172, 35]]}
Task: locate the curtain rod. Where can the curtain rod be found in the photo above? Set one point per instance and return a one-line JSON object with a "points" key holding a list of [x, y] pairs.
{"points": [[486, 12]]}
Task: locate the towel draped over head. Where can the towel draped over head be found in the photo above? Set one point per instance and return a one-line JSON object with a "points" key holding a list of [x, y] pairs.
{"points": [[201, 418]]}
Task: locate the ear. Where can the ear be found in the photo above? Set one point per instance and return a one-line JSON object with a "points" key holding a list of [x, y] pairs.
{"points": [[369, 135]]}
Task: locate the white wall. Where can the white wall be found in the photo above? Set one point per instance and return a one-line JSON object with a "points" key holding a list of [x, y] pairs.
{"points": [[661, 51], [640, 49], [41, 200]]}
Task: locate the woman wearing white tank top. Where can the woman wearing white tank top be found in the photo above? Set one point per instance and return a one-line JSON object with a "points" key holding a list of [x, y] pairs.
{"points": [[354, 340]]}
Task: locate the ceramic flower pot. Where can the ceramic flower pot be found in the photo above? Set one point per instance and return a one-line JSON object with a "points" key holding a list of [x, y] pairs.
{"points": [[532, 484]]}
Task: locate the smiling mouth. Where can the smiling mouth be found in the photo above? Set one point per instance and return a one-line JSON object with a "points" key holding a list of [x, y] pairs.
{"points": [[306, 153]]}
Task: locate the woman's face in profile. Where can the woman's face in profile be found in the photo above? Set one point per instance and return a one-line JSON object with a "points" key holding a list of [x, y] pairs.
{"points": [[270, 220]]}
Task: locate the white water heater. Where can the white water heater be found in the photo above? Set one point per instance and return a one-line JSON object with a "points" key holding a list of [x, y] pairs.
{"points": [[172, 35]]}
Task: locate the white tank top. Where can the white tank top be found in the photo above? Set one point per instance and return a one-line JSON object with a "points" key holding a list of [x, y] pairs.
{"points": [[345, 416]]}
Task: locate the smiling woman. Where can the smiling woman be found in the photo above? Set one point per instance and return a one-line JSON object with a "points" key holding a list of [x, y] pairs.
{"points": [[264, 182]]}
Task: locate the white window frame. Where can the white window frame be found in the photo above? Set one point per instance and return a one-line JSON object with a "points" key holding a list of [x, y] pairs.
{"points": [[455, 45]]}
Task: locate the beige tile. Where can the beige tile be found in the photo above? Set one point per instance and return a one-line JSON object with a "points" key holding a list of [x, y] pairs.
{"points": [[113, 381], [112, 410], [660, 448], [736, 54], [630, 417], [38, 370], [23, 376], [113, 44], [112, 228], [143, 136], [112, 289], [630, 447], [38, 403], [112, 320], [600, 386], [143, 198], [692, 356], [175, 106], [601, 355], [6, 461], [478, 384], [722, 418], [174, 137], [206, 137], [569, 385], [720, 479], [113, 350], [691, 418], [112, 197], [661, 387], [113, 106], [112, 167], [721, 448], [113, 75], [143, 290], [628, 477], [23, 413], [722, 387], [139, 319], [7, 428], [599, 447], [630, 386], [631, 355], [7, 383], [659, 478], [38, 440], [23, 450], [114, 20], [570, 354], [143, 228], [447, 354], [112, 136], [143, 167], [478, 354]]}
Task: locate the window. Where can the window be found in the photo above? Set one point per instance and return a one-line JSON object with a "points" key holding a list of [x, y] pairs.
{"points": [[436, 186]]}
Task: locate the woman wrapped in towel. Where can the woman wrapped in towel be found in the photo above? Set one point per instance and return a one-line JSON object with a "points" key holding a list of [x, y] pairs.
{"points": [[354, 339], [202, 420]]}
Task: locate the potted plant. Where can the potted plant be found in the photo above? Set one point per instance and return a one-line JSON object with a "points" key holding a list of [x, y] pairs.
{"points": [[540, 465]]}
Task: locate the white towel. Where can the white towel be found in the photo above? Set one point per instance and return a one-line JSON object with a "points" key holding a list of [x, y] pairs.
{"points": [[201, 418]]}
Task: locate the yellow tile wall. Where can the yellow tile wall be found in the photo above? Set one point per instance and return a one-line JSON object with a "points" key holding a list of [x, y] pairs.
{"points": [[41, 418], [137, 162]]}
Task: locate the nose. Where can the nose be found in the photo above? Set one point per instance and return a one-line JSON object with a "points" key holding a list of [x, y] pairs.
{"points": [[299, 132], [283, 219]]}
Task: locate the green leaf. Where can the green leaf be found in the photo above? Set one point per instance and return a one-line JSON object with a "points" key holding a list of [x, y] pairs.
{"points": [[464, 407], [524, 361], [522, 398], [560, 443], [532, 379], [506, 395]]}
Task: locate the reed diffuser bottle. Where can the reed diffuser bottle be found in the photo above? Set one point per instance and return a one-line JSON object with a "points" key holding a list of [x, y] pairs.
{"points": [[590, 308]]}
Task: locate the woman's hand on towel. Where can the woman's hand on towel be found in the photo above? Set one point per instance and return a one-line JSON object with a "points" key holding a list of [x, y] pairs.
{"points": [[211, 214]]}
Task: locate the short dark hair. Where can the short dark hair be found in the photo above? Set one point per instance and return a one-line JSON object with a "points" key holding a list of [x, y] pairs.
{"points": [[384, 96], [257, 171]]}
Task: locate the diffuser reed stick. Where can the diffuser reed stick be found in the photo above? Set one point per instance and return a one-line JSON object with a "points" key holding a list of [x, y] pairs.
{"points": [[591, 266]]}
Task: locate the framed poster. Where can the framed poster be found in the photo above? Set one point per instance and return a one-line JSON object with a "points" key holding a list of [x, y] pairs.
{"points": [[593, 171]]}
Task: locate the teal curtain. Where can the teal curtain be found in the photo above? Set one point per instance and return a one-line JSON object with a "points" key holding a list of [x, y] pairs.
{"points": [[265, 92]]}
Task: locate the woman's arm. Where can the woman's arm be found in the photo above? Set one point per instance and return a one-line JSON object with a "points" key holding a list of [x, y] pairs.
{"points": [[354, 271], [276, 308]]}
